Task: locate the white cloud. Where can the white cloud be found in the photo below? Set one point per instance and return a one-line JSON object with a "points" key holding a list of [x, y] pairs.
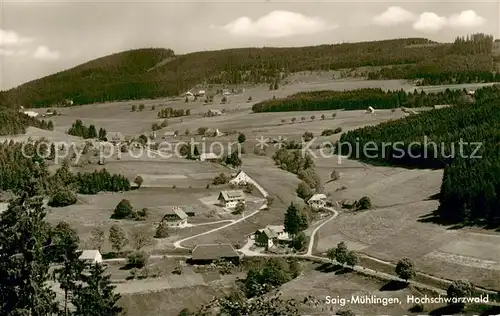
{"points": [[278, 24], [44, 53], [467, 18], [430, 22], [10, 38], [394, 16]]}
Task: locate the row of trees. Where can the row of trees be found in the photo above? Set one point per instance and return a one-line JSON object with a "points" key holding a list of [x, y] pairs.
{"points": [[139, 74], [461, 139], [360, 99], [169, 112], [29, 246], [99, 181], [80, 130]]}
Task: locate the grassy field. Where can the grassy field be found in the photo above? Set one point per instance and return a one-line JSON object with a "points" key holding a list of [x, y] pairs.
{"points": [[95, 211], [399, 226]]}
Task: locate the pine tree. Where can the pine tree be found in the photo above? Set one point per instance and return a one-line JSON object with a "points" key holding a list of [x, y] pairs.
{"points": [[67, 254], [92, 132], [25, 257], [96, 296], [295, 220]]}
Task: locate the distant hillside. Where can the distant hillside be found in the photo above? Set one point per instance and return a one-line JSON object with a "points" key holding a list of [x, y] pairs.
{"points": [[150, 73]]}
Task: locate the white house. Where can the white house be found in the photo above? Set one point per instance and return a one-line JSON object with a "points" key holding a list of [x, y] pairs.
{"points": [[231, 198], [241, 179], [317, 201], [189, 94], [175, 218], [210, 157], [91, 256], [271, 236], [201, 93], [31, 113], [370, 110]]}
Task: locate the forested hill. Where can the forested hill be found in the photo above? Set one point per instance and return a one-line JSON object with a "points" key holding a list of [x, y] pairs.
{"points": [[150, 73], [13, 122], [462, 139]]}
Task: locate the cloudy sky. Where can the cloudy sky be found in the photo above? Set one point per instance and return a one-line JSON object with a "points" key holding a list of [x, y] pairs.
{"points": [[39, 37]]}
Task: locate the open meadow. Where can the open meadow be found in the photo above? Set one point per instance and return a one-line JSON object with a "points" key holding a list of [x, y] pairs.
{"points": [[400, 223]]}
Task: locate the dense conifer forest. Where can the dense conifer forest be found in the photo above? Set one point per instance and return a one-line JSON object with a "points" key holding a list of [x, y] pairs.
{"points": [[20, 162], [470, 60], [13, 122], [359, 99], [461, 139], [151, 73]]}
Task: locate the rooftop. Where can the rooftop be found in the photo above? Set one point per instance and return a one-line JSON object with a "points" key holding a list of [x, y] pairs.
{"points": [[209, 156], [213, 252], [317, 197], [177, 212], [232, 195], [89, 254], [269, 232]]}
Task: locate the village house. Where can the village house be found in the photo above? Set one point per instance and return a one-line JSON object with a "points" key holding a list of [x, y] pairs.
{"points": [[91, 256], [208, 253], [231, 198], [170, 134], [441, 106], [31, 113], [210, 157], [271, 236], [175, 218], [115, 137], [241, 179], [212, 112], [317, 201]]}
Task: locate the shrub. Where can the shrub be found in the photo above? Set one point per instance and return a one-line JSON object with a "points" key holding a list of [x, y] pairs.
{"points": [[304, 191], [241, 138], [220, 179], [202, 130], [240, 207], [248, 188], [161, 231], [327, 132], [138, 180], [405, 269], [338, 130], [141, 215], [308, 136], [137, 259], [62, 198], [123, 210], [364, 204]]}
